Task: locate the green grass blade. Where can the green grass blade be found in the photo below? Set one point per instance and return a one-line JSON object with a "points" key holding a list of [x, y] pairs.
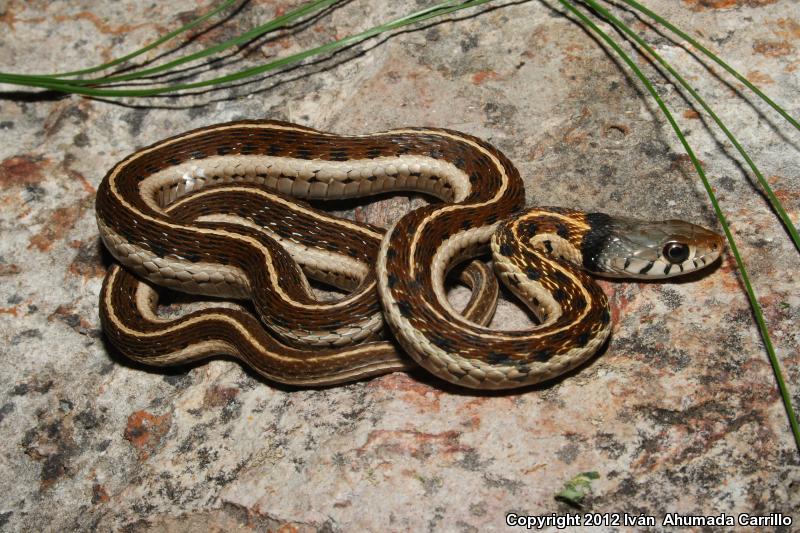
{"points": [[158, 42], [413, 18], [733, 72], [21, 79], [256, 32], [274, 24], [785, 395], [80, 87], [773, 199]]}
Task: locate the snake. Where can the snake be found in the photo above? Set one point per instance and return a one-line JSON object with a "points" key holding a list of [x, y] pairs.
{"points": [[224, 211]]}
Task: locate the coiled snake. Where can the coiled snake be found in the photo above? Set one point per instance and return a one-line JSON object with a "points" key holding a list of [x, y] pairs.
{"points": [[213, 211]]}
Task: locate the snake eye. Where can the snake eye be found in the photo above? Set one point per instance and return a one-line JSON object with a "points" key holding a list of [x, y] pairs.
{"points": [[676, 252]]}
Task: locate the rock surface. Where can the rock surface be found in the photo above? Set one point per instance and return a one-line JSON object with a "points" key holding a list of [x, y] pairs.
{"points": [[679, 414]]}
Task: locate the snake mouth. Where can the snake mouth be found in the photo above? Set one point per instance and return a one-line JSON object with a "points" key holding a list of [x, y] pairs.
{"points": [[714, 242], [708, 246], [657, 250]]}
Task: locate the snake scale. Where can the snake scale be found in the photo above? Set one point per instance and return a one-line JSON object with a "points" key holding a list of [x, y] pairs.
{"points": [[221, 211]]}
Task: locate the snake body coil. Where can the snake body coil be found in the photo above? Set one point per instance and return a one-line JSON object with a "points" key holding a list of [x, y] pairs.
{"points": [[199, 212]]}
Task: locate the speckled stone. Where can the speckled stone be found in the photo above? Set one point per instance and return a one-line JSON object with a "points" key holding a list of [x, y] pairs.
{"points": [[680, 413]]}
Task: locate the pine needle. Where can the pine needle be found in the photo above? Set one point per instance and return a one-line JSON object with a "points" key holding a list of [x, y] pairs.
{"points": [[784, 391]]}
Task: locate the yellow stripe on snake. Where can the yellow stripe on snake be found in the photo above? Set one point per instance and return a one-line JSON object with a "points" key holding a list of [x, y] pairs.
{"points": [[220, 211]]}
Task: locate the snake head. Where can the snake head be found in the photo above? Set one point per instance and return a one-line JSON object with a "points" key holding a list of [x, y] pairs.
{"points": [[625, 247]]}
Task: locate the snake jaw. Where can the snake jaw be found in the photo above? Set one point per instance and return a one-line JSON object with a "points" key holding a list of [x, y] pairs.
{"points": [[630, 248]]}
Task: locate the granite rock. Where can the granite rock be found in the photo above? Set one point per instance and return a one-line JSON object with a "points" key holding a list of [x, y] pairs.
{"points": [[680, 413]]}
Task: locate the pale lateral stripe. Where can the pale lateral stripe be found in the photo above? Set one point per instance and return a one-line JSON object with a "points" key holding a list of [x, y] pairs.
{"points": [[555, 264], [466, 326], [297, 208], [174, 175], [268, 259], [457, 207], [222, 318], [305, 255]]}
